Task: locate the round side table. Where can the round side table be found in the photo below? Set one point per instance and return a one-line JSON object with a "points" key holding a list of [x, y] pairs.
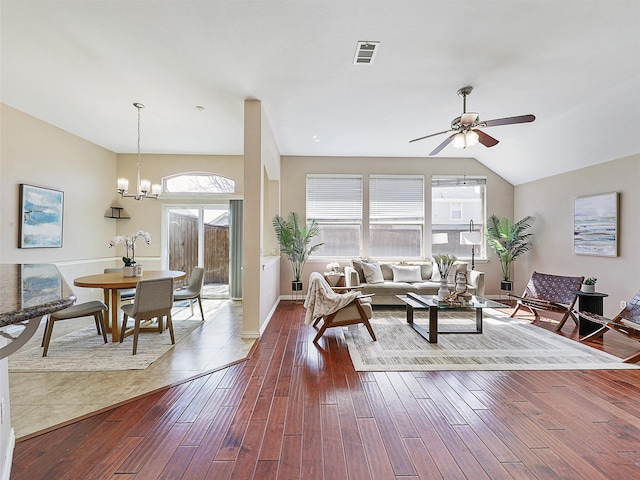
{"points": [[592, 303]]}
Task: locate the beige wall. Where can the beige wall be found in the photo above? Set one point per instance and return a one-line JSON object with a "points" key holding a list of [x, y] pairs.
{"points": [[551, 199], [261, 170], [37, 153], [293, 193], [147, 214]]}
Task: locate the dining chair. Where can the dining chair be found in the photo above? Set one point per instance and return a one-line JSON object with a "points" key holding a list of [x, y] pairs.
{"points": [[153, 299], [193, 291], [126, 294], [93, 308]]}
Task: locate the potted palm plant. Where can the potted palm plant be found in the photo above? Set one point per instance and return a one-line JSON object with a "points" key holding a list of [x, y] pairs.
{"points": [[509, 241], [294, 240]]}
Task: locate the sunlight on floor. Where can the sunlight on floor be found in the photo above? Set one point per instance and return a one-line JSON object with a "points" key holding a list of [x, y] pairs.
{"points": [[40, 400]]}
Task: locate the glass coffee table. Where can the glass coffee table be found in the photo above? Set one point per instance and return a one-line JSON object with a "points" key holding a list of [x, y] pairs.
{"points": [[423, 302]]}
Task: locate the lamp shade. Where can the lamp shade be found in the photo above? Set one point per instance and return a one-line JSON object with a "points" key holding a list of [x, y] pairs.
{"points": [[439, 238], [470, 238], [465, 139]]}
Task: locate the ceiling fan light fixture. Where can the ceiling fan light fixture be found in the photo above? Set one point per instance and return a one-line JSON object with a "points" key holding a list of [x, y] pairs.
{"points": [[465, 139]]}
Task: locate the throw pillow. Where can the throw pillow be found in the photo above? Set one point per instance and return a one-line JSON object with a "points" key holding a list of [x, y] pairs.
{"points": [[357, 266], [372, 272], [406, 273]]}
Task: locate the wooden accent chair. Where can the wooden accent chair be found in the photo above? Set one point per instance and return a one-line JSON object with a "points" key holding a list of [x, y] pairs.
{"points": [[627, 322], [336, 309], [154, 299], [93, 309], [548, 293], [192, 292]]}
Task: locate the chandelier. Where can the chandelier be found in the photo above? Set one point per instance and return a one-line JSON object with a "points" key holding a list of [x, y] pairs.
{"points": [[144, 189]]}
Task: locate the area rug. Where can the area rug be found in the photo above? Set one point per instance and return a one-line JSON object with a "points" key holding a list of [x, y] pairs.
{"points": [[505, 344], [85, 350]]}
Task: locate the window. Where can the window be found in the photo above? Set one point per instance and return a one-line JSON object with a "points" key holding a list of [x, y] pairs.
{"points": [[335, 201], [396, 215], [455, 210], [198, 183], [455, 203]]}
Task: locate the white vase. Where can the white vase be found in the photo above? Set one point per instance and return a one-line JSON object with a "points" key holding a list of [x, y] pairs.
{"points": [[128, 271], [443, 291]]}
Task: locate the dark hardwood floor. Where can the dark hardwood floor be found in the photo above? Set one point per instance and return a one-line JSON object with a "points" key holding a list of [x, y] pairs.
{"points": [[295, 411]]}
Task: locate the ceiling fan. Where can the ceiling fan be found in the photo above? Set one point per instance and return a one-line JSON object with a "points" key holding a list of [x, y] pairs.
{"points": [[465, 129]]}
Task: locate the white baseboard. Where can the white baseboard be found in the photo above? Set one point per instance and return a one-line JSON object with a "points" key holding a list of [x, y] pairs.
{"points": [[263, 327], [7, 458]]}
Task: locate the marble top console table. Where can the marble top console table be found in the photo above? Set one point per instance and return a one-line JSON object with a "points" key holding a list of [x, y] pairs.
{"points": [[29, 291]]}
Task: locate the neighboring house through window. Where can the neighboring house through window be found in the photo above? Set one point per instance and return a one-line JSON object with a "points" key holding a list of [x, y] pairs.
{"points": [[455, 202]]}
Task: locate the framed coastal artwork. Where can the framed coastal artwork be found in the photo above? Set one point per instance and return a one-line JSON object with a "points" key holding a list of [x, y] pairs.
{"points": [[41, 212], [595, 225]]}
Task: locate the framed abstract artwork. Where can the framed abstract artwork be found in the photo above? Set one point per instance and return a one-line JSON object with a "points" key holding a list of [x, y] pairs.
{"points": [[41, 212], [595, 225]]}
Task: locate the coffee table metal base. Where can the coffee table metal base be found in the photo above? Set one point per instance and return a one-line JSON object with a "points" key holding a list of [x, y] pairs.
{"points": [[431, 335]]}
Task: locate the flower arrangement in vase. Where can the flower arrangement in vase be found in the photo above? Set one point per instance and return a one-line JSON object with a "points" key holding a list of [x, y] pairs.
{"points": [[129, 243], [444, 264], [333, 267]]}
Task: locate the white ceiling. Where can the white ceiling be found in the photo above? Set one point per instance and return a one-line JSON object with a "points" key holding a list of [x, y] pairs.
{"points": [[575, 64]]}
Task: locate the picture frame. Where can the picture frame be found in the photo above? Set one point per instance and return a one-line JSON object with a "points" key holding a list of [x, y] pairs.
{"points": [[41, 217], [595, 225]]}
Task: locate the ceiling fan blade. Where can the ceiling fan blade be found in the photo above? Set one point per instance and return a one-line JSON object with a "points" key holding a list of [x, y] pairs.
{"points": [[427, 136], [439, 148], [468, 118], [509, 120], [486, 140]]}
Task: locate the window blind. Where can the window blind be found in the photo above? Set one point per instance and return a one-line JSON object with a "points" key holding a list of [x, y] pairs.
{"points": [[334, 198], [396, 198]]}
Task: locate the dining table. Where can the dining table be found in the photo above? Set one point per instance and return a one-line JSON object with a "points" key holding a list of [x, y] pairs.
{"points": [[112, 283]]}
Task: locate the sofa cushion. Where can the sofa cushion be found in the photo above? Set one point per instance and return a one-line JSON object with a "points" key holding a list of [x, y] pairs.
{"points": [[387, 271], [406, 273], [426, 269], [372, 272], [389, 288], [357, 266]]}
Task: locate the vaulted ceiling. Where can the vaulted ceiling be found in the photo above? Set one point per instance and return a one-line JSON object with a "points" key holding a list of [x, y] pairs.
{"points": [[575, 64]]}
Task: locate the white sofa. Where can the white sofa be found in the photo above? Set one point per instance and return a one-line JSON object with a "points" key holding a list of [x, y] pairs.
{"points": [[398, 278]]}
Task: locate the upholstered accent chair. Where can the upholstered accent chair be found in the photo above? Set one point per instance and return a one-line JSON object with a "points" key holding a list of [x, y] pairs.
{"points": [[153, 300]]}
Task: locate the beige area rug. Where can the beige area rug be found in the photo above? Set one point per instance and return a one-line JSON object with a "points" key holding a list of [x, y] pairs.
{"points": [[85, 350], [505, 344]]}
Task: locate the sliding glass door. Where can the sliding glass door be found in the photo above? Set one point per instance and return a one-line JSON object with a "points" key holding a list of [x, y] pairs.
{"points": [[199, 236]]}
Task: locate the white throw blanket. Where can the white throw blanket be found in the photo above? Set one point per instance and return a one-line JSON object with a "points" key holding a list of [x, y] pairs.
{"points": [[322, 300]]}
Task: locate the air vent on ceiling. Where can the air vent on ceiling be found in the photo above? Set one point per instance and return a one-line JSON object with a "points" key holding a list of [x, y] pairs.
{"points": [[365, 53]]}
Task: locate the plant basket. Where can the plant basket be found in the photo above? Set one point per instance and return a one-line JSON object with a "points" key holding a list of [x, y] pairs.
{"points": [[506, 285], [296, 286], [588, 288]]}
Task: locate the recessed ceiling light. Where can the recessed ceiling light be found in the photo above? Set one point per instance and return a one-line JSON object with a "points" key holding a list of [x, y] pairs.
{"points": [[365, 53]]}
